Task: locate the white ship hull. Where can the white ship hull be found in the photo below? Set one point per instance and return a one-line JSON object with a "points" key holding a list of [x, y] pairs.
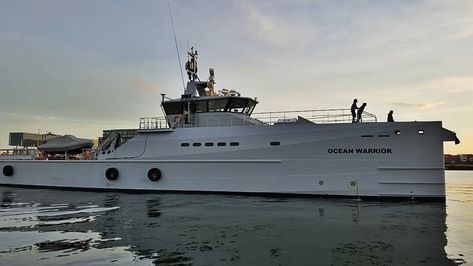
{"points": [[366, 160]]}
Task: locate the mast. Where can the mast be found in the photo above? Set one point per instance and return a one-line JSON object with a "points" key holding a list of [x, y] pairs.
{"points": [[191, 65], [177, 47]]}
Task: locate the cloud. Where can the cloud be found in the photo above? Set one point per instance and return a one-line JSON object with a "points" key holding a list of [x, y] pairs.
{"points": [[143, 85], [272, 29], [428, 105], [265, 27], [455, 84], [443, 93]]}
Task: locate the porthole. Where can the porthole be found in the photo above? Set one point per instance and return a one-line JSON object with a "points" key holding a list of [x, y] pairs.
{"points": [[221, 144], [321, 182], [184, 144], [275, 143], [8, 170], [209, 144], [421, 131], [397, 132], [196, 144], [112, 174], [234, 144], [353, 183], [154, 174]]}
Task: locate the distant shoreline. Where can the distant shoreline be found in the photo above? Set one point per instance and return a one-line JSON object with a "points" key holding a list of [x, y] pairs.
{"points": [[458, 166]]}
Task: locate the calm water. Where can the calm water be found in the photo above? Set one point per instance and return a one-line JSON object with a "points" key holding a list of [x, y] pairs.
{"points": [[52, 227]]}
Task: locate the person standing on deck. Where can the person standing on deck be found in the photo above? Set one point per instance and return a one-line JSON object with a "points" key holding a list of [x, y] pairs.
{"points": [[360, 112], [390, 116], [353, 110]]}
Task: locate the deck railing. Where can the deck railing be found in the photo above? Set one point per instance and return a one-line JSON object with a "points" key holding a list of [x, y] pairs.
{"points": [[325, 116], [18, 154], [153, 123]]}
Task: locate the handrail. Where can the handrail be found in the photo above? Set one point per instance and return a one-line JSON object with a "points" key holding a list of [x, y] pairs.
{"points": [[323, 116], [153, 123], [15, 151]]}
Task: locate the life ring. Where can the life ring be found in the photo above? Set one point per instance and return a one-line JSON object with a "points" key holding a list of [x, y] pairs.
{"points": [[154, 174], [175, 120], [8, 170], [112, 174]]}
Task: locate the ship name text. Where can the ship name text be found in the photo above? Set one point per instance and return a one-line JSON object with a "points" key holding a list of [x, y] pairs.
{"points": [[361, 150]]}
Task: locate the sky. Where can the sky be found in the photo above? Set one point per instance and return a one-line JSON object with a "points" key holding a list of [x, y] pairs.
{"points": [[78, 67]]}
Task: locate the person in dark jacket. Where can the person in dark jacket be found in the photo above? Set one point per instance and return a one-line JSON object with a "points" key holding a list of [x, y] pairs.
{"points": [[360, 112], [390, 116], [353, 110]]}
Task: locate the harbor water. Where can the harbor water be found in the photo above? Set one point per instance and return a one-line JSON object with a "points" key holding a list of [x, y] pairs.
{"points": [[56, 227]]}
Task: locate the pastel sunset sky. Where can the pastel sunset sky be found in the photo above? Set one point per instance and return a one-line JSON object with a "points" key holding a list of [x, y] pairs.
{"points": [[78, 67]]}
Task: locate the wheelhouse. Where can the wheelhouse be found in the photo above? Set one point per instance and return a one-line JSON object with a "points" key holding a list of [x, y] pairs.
{"points": [[201, 105], [208, 104]]}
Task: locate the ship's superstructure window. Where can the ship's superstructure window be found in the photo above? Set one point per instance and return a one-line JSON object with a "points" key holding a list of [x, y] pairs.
{"points": [[222, 144], [234, 143], [275, 143], [203, 105], [397, 132], [384, 136], [173, 108], [217, 105], [250, 107], [209, 144], [196, 144], [184, 144], [367, 136], [237, 105], [421, 131]]}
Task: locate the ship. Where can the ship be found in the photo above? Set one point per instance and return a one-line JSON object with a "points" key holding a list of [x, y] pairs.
{"points": [[212, 142]]}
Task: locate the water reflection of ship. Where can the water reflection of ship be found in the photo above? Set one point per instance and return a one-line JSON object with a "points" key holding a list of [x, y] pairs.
{"points": [[250, 230]]}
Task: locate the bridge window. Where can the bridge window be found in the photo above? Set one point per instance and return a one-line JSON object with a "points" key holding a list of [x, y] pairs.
{"points": [[237, 105], [217, 105], [227, 104], [172, 108], [197, 106], [202, 106], [250, 107]]}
